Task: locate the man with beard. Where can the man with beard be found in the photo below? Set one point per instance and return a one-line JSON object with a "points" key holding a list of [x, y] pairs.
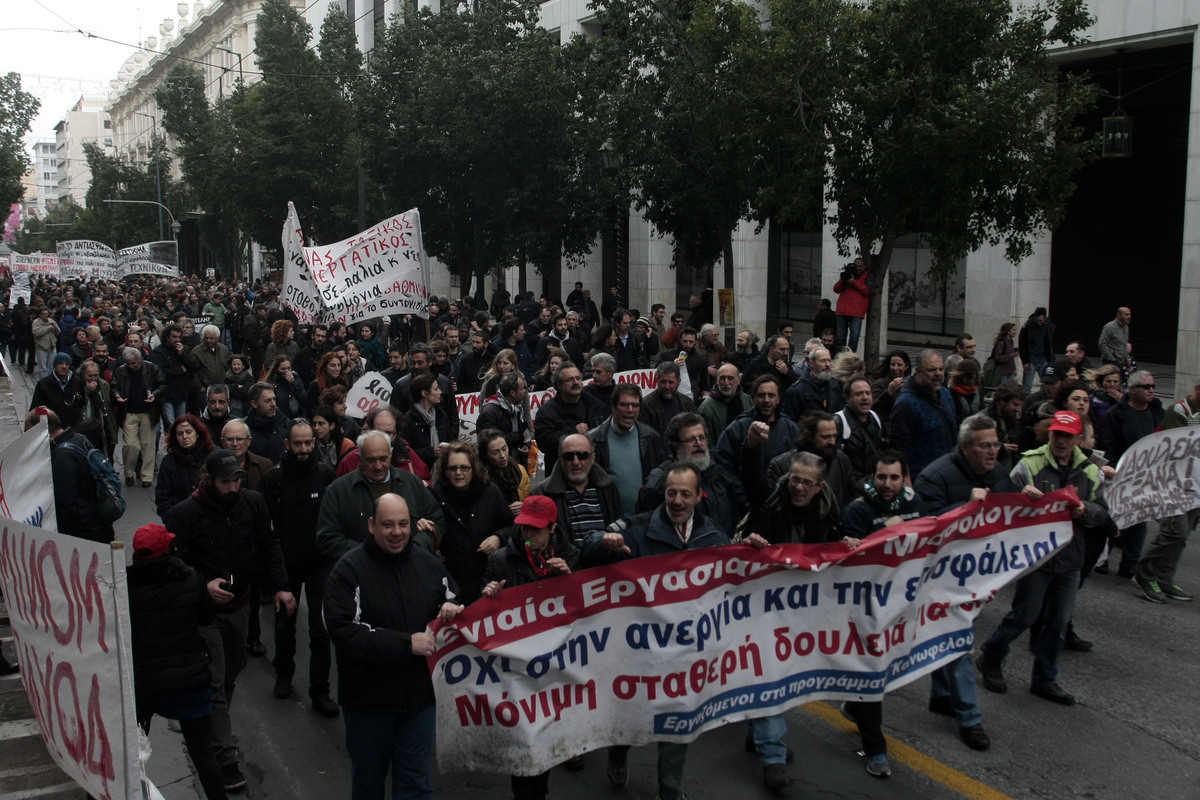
{"points": [[745, 350], [107, 363], [293, 490], [586, 496], [819, 436], [538, 330], [216, 410], [660, 406], [473, 364], [224, 532], [177, 364], [505, 411], [62, 391], [723, 500], [558, 336], [627, 350], [397, 363], [604, 370], [420, 362], [687, 357], [625, 448], [673, 527], [648, 339], [725, 403], [752, 440], [569, 411], [305, 361], [859, 429], [267, 426], [964, 350], [348, 501], [923, 416], [772, 360], [1005, 408], [816, 391]]}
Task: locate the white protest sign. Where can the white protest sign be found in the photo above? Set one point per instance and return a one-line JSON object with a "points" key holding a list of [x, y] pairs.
{"points": [[26, 480], [378, 272], [85, 259], [21, 264], [299, 291], [367, 394], [19, 293], [667, 647], [1156, 477], [68, 604], [151, 258]]}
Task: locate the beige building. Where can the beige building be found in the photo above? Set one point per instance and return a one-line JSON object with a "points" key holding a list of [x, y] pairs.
{"points": [[87, 121]]}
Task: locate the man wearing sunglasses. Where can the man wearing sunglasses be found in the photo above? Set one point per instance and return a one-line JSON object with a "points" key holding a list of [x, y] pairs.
{"points": [[587, 497]]}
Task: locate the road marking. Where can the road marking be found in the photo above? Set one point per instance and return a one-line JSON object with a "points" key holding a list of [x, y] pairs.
{"points": [[910, 756]]}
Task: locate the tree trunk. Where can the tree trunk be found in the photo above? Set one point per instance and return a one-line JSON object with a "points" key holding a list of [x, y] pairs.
{"points": [[877, 269]]}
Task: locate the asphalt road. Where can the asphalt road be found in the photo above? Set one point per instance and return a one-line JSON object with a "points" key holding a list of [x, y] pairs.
{"points": [[1134, 731]]}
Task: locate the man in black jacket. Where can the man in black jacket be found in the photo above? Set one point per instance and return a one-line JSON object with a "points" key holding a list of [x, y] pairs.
{"points": [[268, 427], [586, 496], [75, 489], [137, 388], [379, 600], [293, 490], [506, 413], [569, 411], [224, 533], [177, 363], [62, 391]]}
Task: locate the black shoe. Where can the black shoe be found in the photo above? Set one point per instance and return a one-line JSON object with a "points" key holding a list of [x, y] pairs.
{"points": [[1073, 642], [618, 769], [993, 674], [574, 763], [776, 777], [129, 480], [7, 667], [283, 688], [145, 484], [325, 707], [941, 705], [975, 738], [232, 777], [1125, 573], [256, 649], [1101, 569], [750, 748], [1033, 641], [1054, 693]]}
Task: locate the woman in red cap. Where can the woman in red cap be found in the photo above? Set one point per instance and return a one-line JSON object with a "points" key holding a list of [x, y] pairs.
{"points": [[167, 601], [536, 549]]}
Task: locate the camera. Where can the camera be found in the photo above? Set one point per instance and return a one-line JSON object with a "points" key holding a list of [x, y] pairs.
{"points": [[849, 272]]}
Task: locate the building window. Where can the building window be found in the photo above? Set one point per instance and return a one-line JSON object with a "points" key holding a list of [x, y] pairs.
{"points": [[800, 275], [107, 124], [918, 303]]}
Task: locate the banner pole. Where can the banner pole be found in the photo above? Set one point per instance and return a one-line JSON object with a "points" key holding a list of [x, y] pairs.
{"points": [[130, 749]]}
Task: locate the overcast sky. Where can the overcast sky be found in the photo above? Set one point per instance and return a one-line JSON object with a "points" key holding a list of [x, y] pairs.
{"points": [[57, 65]]}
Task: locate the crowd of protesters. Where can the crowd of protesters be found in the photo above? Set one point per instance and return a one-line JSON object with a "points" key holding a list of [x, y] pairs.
{"points": [[270, 492]]}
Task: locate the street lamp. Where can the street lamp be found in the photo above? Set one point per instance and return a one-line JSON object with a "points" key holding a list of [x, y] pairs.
{"points": [[175, 226], [157, 167]]}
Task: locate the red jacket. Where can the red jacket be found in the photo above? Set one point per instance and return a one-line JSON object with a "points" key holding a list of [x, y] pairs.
{"points": [[854, 297]]}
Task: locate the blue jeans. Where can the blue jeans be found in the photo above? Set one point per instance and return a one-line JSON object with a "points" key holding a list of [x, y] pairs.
{"points": [[1036, 363], [1057, 591], [956, 680], [171, 411], [848, 329], [45, 362], [377, 740], [768, 733]]}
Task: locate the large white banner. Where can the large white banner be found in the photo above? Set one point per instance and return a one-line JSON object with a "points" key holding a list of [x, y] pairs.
{"points": [[378, 272], [1156, 478], [151, 258], [39, 264], [85, 259], [367, 394], [68, 605], [299, 291], [665, 648], [26, 480]]}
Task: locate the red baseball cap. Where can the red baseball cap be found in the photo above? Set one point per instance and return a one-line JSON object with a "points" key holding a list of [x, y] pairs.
{"points": [[538, 511], [151, 541], [1067, 422]]}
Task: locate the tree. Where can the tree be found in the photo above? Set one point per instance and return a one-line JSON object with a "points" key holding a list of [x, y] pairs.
{"points": [[473, 117], [939, 117], [17, 110], [676, 107]]}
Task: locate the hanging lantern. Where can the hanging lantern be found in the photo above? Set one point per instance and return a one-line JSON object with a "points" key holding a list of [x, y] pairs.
{"points": [[1118, 136]]}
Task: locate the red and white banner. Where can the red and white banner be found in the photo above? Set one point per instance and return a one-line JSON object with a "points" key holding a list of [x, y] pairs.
{"points": [[299, 291], [26, 480], [367, 394], [665, 648], [1156, 477], [68, 605]]}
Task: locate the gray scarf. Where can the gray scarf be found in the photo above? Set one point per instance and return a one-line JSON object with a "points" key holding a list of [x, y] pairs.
{"points": [[430, 418]]}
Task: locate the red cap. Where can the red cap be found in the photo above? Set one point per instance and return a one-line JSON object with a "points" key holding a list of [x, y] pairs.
{"points": [[1067, 422], [538, 511], [151, 540]]}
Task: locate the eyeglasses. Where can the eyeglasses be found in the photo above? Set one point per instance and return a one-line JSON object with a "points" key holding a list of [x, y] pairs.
{"points": [[629, 405], [1149, 386], [574, 456], [805, 482], [458, 468], [694, 440], [235, 439], [989, 446]]}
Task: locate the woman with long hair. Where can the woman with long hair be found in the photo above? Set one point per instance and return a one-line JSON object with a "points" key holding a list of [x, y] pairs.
{"points": [[425, 426], [476, 515], [328, 374], [188, 444], [239, 380], [1105, 384], [1004, 354], [505, 472], [329, 445], [372, 347], [544, 379], [282, 343], [353, 363], [504, 363], [889, 376], [604, 340], [290, 397]]}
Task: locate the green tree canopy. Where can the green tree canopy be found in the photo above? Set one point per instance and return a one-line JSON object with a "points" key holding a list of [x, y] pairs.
{"points": [[17, 110]]}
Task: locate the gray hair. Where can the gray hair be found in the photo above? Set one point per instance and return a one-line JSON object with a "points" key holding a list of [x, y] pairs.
{"points": [[213, 329], [131, 354], [667, 368], [371, 435], [216, 389], [925, 356], [810, 460], [604, 361], [1140, 378], [972, 425]]}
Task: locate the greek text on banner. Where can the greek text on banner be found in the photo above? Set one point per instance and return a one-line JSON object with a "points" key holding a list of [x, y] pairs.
{"points": [[1156, 477], [664, 648]]}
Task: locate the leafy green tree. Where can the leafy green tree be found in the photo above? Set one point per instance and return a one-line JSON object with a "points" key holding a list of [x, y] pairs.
{"points": [[17, 110], [939, 117], [474, 116], [43, 235]]}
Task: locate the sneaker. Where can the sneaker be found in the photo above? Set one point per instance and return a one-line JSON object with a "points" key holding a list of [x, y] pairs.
{"points": [[1174, 592], [325, 707], [878, 766], [993, 674], [283, 688], [232, 777], [618, 769], [1150, 590], [776, 777], [975, 738]]}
